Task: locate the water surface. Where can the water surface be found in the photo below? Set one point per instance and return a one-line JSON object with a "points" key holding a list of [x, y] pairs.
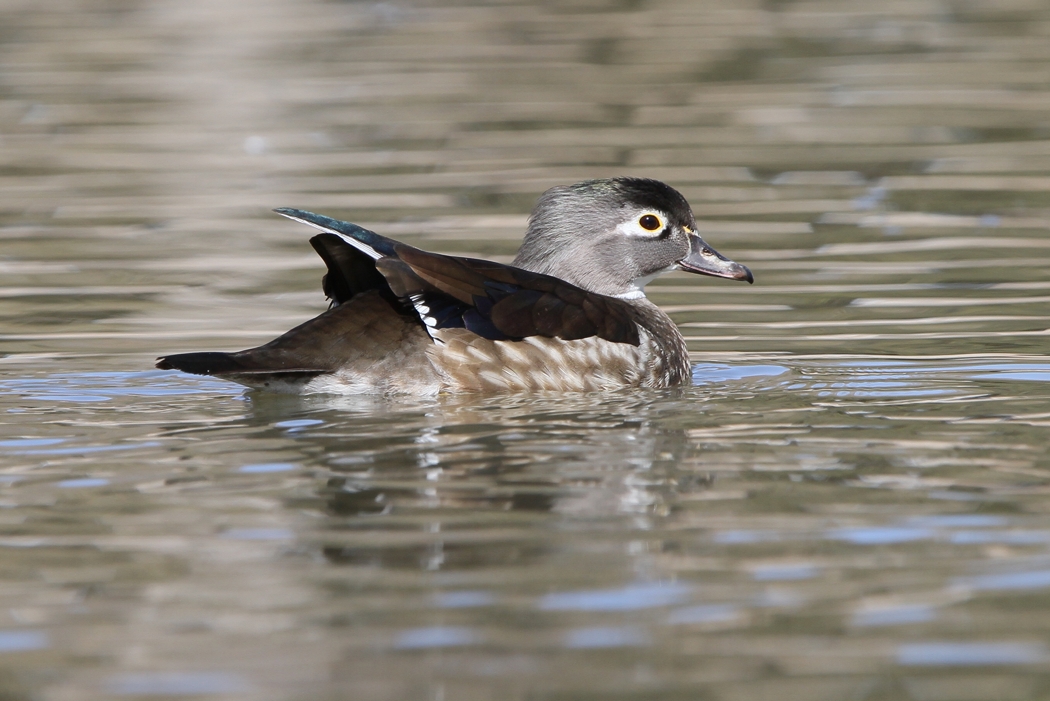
{"points": [[849, 502]]}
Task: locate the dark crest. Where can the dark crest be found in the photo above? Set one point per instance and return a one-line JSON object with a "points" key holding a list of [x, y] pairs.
{"points": [[642, 192]]}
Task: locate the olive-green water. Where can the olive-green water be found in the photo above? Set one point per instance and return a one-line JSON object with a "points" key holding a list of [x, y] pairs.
{"points": [[851, 502]]}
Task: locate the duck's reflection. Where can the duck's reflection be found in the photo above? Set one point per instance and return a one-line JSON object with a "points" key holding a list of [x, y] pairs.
{"points": [[465, 482]]}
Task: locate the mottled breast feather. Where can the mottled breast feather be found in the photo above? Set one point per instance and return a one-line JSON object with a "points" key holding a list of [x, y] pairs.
{"points": [[468, 362]]}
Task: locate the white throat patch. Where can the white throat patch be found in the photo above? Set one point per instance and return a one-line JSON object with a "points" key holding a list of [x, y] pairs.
{"points": [[637, 289]]}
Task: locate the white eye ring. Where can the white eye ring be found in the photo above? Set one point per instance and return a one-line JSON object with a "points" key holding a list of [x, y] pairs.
{"points": [[650, 222]]}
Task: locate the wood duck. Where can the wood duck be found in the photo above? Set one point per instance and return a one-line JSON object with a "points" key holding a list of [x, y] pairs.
{"points": [[569, 314]]}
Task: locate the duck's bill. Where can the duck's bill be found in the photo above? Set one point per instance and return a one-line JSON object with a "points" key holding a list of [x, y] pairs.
{"points": [[707, 261]]}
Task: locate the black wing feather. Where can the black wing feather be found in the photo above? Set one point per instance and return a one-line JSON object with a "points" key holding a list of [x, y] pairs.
{"points": [[501, 302], [350, 271]]}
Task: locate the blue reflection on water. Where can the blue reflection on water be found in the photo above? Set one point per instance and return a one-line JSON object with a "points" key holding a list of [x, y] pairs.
{"points": [[713, 373], [258, 534], [604, 637], [880, 536], [1005, 537], [870, 199], [19, 640], [877, 378], [30, 442], [949, 495], [738, 537], [1038, 579], [703, 613], [104, 386], [1026, 376], [632, 597], [970, 654], [463, 599], [264, 467], [436, 636], [83, 482], [784, 572], [893, 616], [887, 393], [177, 684], [85, 449], [1028, 372], [957, 521], [907, 368], [297, 424]]}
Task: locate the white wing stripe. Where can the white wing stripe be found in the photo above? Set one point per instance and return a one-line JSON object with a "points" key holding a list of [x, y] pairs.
{"points": [[359, 245]]}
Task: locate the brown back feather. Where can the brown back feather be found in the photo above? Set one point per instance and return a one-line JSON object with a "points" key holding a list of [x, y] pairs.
{"points": [[359, 333], [518, 303]]}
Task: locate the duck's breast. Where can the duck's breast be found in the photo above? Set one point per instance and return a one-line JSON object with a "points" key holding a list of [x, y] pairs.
{"points": [[471, 363]]}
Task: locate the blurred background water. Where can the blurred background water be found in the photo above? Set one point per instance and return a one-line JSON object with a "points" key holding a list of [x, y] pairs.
{"points": [[852, 501]]}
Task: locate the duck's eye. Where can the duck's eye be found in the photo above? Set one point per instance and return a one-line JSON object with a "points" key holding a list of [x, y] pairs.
{"points": [[649, 222]]}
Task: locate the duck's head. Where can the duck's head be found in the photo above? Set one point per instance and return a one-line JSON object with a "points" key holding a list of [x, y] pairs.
{"points": [[614, 236]]}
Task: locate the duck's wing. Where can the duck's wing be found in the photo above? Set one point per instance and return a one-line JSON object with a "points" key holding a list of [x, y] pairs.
{"points": [[501, 302], [493, 300], [349, 251], [368, 242], [350, 272]]}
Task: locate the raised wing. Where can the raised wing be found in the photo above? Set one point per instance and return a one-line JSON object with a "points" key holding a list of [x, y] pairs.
{"points": [[495, 301], [350, 271], [501, 302], [362, 239]]}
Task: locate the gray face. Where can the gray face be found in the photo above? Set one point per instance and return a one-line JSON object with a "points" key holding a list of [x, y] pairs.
{"points": [[613, 236]]}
